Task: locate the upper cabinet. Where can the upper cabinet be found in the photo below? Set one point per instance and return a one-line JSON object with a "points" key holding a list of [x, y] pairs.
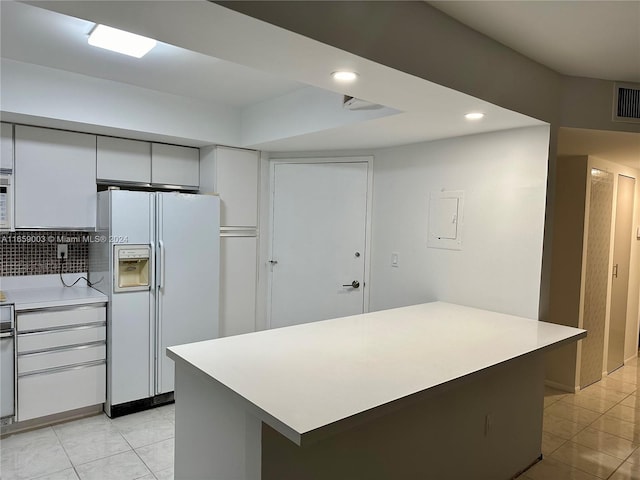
{"points": [[237, 175], [55, 179], [173, 165], [123, 160], [6, 147]]}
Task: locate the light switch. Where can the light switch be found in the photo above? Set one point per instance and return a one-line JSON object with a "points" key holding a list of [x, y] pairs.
{"points": [[394, 259]]}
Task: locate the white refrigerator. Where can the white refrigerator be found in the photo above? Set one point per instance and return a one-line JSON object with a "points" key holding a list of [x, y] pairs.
{"points": [[173, 301]]}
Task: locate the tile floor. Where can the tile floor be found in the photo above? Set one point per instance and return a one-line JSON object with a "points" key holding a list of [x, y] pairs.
{"points": [[137, 446], [594, 434]]}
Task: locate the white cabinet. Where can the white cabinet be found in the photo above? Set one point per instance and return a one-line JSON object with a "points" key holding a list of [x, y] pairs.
{"points": [[234, 174], [60, 391], [123, 160], [55, 178], [237, 285], [6, 147], [174, 165], [61, 360], [135, 161], [237, 175]]}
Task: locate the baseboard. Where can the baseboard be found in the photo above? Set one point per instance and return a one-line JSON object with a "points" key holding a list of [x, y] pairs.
{"points": [[49, 420], [139, 405], [561, 386]]}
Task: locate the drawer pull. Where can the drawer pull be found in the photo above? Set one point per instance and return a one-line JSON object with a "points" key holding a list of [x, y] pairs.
{"points": [[78, 346], [81, 326], [61, 309], [77, 366]]}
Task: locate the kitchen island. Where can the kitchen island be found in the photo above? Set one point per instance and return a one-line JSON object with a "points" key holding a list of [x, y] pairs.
{"points": [[428, 391]]}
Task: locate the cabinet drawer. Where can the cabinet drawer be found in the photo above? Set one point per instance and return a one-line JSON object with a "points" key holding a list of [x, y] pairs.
{"points": [[29, 342], [48, 318], [46, 394], [70, 356]]}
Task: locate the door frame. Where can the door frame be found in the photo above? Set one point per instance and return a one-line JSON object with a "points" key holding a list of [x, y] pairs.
{"points": [[368, 159]]}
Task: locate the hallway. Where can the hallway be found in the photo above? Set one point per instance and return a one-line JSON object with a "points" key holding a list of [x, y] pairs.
{"points": [[593, 434]]}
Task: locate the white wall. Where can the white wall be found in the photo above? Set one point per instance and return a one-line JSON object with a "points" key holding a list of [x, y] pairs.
{"points": [[56, 98], [503, 176]]}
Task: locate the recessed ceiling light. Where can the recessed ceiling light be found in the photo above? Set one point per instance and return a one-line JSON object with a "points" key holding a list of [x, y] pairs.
{"points": [[120, 41], [344, 76], [474, 116]]}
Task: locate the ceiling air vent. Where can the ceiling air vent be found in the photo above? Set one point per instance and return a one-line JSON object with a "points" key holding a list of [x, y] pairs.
{"points": [[626, 103], [353, 103]]}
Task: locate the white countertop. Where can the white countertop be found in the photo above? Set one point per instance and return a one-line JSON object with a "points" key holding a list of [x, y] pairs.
{"points": [[47, 297], [302, 378]]}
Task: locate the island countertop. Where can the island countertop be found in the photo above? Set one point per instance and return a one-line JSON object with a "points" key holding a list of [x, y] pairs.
{"points": [[303, 378]]}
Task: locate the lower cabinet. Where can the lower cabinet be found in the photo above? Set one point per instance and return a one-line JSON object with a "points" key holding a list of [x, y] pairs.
{"points": [[46, 393], [237, 285], [61, 360]]}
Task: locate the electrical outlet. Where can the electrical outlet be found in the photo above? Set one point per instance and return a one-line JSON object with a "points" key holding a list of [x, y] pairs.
{"points": [[63, 248]]}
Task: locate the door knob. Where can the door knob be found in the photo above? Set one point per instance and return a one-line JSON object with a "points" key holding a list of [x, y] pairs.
{"points": [[354, 284]]}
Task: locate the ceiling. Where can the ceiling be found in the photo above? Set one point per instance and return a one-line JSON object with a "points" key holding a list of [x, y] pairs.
{"points": [[42, 37], [619, 147], [596, 39], [260, 70], [213, 53]]}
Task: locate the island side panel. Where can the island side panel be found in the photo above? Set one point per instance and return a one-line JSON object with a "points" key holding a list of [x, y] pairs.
{"points": [[447, 436], [216, 439]]}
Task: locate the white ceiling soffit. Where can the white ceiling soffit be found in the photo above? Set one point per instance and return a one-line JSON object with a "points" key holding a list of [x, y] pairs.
{"points": [[42, 37], [619, 147], [432, 111], [395, 130], [596, 39]]}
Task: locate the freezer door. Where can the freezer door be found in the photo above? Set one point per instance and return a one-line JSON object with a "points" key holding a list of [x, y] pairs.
{"points": [[131, 217], [131, 314], [187, 275]]}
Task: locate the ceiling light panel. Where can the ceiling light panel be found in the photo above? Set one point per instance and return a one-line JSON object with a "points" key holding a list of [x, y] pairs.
{"points": [[120, 41]]}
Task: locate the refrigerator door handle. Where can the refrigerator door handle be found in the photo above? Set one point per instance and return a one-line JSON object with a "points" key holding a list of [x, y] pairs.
{"points": [[161, 272]]}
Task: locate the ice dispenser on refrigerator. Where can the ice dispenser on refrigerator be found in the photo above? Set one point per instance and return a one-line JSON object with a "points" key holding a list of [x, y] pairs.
{"points": [[131, 267]]}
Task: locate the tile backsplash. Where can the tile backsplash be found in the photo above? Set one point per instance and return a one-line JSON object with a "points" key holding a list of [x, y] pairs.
{"points": [[35, 252]]}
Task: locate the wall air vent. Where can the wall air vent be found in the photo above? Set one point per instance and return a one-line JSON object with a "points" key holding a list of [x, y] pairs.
{"points": [[626, 103]]}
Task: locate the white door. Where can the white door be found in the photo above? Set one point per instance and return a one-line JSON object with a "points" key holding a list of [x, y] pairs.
{"points": [[187, 275], [319, 237], [620, 274]]}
